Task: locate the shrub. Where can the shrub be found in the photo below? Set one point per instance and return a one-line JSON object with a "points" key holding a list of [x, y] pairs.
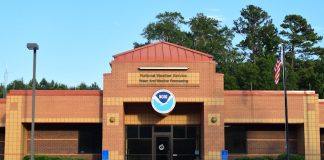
{"points": [[51, 158], [255, 158], [291, 157]]}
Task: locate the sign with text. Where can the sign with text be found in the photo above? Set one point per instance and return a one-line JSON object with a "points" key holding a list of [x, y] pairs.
{"points": [[163, 79]]}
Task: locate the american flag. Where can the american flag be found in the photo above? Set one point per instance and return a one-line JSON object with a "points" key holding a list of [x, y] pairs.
{"points": [[277, 67]]}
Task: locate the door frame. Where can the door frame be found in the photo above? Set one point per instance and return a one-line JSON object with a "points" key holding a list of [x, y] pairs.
{"points": [[162, 134]]}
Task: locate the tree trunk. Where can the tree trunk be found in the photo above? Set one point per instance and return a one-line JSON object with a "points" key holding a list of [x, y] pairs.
{"points": [[254, 52], [293, 56]]}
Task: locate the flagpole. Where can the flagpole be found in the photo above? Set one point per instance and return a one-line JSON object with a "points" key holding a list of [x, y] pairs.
{"points": [[286, 105]]}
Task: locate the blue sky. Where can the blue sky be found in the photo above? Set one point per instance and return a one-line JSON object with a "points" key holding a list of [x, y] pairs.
{"points": [[78, 38]]}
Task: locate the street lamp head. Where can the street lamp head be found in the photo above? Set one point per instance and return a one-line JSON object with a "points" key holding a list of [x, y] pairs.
{"points": [[32, 46]]}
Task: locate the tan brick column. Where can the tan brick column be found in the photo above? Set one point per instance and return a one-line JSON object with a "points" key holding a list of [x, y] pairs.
{"points": [[14, 139], [311, 128], [212, 132], [113, 132]]}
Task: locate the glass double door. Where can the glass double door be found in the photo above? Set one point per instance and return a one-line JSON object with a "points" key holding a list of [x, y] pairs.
{"points": [[162, 149], [162, 142]]}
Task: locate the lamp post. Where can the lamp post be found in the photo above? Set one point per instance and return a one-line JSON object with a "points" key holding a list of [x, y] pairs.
{"points": [[34, 47]]}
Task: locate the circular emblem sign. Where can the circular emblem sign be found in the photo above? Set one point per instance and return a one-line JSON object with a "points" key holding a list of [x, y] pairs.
{"points": [[163, 101]]}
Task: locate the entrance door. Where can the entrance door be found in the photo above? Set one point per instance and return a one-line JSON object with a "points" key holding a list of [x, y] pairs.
{"points": [[162, 142], [162, 147]]}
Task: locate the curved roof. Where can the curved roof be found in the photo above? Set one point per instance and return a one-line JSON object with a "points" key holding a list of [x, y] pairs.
{"points": [[162, 52]]}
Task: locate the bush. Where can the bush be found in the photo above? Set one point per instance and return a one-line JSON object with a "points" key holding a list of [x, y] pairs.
{"points": [[51, 158], [291, 157], [255, 158]]}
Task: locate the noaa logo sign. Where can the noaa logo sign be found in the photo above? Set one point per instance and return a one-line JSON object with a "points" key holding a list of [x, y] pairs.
{"points": [[163, 101]]}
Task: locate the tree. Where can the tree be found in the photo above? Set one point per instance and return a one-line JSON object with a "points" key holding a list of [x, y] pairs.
{"points": [[300, 37], [1, 90], [43, 85], [247, 74], [261, 36], [318, 85], [167, 28], [310, 75], [57, 86], [17, 85], [30, 85], [260, 42], [94, 86], [206, 34], [209, 36], [82, 86], [136, 44], [228, 64], [265, 78]]}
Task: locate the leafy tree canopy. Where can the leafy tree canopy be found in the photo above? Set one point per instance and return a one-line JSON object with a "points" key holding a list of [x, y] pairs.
{"points": [[260, 41], [167, 28], [45, 85], [261, 36], [300, 36]]}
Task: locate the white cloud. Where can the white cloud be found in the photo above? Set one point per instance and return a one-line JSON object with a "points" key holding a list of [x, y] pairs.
{"points": [[217, 17]]}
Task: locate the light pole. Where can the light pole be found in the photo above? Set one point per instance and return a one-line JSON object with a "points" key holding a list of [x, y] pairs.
{"points": [[34, 47]]}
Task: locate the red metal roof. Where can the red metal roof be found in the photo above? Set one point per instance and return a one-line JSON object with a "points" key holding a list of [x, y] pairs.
{"points": [[162, 52]]}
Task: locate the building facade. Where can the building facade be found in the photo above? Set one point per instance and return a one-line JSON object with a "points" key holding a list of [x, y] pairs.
{"points": [[120, 119]]}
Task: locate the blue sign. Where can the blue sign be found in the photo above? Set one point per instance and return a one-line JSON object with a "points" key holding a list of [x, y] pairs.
{"points": [[105, 155], [224, 154], [163, 101]]}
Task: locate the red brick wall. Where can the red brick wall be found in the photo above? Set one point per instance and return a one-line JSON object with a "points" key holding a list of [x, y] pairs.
{"points": [[262, 105], [269, 140], [57, 140], [115, 85], [62, 104], [211, 83]]}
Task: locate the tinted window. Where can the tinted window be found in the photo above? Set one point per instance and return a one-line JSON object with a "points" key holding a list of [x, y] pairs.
{"points": [[90, 139], [139, 146], [184, 146], [179, 132], [139, 142], [145, 132], [162, 129], [235, 139], [139, 157], [132, 132], [192, 132]]}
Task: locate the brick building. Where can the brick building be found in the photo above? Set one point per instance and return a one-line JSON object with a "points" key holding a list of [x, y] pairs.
{"points": [[206, 118]]}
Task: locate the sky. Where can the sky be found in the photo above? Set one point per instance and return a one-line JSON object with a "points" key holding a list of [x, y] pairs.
{"points": [[77, 38]]}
